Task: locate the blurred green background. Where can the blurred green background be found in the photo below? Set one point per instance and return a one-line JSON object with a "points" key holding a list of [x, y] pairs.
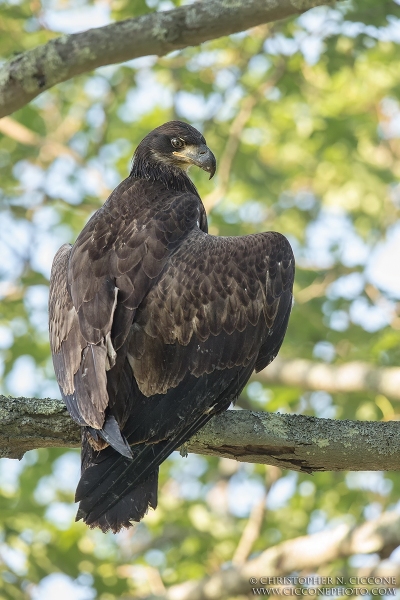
{"points": [[304, 119]]}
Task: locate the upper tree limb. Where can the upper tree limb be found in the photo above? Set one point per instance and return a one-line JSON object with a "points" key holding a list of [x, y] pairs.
{"points": [[32, 72]]}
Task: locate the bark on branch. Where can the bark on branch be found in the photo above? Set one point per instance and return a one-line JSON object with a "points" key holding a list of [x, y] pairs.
{"points": [[350, 377], [31, 73], [289, 441]]}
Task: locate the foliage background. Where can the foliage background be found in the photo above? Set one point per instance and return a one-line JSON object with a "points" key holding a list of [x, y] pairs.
{"points": [[304, 118]]}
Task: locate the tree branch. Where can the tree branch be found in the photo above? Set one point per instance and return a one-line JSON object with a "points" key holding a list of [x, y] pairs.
{"points": [[350, 377], [288, 441], [31, 73], [301, 555]]}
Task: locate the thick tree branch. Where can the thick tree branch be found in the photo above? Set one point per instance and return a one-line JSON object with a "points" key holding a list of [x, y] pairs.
{"points": [[289, 441], [301, 555], [350, 377], [30, 73]]}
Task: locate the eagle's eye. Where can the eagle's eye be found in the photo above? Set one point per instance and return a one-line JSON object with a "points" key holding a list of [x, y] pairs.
{"points": [[177, 143]]}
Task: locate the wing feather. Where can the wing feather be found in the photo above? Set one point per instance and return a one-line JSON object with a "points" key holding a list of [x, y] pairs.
{"points": [[217, 305], [97, 285], [66, 341], [79, 366]]}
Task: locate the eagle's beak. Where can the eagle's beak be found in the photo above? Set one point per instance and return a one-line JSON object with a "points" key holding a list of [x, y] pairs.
{"points": [[201, 156], [205, 159]]}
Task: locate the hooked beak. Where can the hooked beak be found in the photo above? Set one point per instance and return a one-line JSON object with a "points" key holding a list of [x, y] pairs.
{"points": [[201, 156]]}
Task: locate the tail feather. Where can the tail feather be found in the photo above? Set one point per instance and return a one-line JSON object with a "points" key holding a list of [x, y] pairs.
{"points": [[132, 506], [115, 490], [156, 413], [120, 490]]}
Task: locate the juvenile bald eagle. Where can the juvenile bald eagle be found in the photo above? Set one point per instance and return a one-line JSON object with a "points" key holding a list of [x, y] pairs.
{"points": [[156, 326]]}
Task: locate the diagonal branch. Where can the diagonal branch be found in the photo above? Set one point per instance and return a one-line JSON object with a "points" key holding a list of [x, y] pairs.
{"points": [[30, 73], [235, 133], [253, 526], [301, 555], [290, 441]]}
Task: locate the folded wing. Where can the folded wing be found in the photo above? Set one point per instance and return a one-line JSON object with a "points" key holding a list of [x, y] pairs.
{"points": [[220, 303], [97, 285]]}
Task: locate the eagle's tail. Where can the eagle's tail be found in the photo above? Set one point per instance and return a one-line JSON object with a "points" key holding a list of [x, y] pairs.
{"points": [[98, 482], [114, 491]]}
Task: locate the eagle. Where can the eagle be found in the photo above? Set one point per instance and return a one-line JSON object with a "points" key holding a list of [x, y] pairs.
{"points": [[156, 325]]}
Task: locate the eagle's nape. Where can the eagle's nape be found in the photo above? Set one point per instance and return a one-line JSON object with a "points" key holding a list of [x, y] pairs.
{"points": [[155, 326]]}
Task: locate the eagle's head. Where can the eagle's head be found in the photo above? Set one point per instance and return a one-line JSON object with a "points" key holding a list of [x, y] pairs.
{"points": [[176, 144]]}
